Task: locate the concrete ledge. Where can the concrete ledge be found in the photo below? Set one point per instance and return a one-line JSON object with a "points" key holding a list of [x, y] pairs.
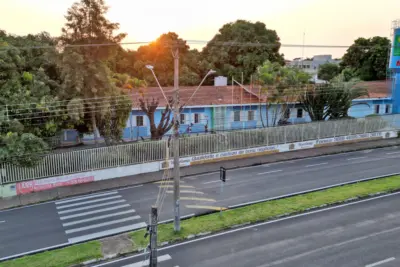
{"points": [[62, 192]]}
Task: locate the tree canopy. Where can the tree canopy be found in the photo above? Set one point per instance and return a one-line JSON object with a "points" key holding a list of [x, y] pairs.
{"points": [[328, 71], [368, 58], [230, 53]]}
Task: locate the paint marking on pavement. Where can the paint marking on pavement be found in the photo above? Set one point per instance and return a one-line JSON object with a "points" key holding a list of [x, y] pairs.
{"points": [[162, 258], [102, 224], [2, 221], [130, 187], [167, 182], [86, 197], [392, 153], [199, 199], [356, 158], [187, 192], [92, 206], [319, 164], [380, 262], [170, 186], [212, 182], [98, 218], [261, 173], [205, 207], [94, 212], [86, 202], [107, 233]]}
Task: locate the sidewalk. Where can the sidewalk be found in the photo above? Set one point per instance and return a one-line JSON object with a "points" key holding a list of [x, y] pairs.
{"points": [[63, 192]]}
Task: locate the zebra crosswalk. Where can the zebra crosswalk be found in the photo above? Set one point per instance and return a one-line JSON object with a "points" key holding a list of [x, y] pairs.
{"points": [[95, 216]]}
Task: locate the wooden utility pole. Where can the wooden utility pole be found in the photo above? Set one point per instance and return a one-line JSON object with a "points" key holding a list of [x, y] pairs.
{"points": [[153, 237]]}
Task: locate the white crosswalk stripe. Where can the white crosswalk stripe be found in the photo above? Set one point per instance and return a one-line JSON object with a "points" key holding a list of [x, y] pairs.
{"points": [[96, 216], [143, 263]]}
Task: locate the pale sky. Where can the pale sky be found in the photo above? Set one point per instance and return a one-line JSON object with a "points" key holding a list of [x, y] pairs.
{"points": [[325, 22]]}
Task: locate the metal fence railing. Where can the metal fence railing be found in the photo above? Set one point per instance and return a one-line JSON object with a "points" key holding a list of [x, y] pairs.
{"points": [[106, 157]]}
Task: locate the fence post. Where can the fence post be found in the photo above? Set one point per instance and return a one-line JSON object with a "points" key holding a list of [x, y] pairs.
{"points": [[302, 133], [334, 129], [319, 131], [284, 134]]}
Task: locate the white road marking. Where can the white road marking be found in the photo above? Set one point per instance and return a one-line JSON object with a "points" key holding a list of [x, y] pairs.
{"points": [[319, 164], [86, 202], [392, 153], [107, 233], [380, 262], [356, 158], [187, 192], [146, 262], [92, 206], [261, 173], [212, 182], [86, 197], [130, 187], [102, 224], [98, 218], [94, 212], [2, 221]]}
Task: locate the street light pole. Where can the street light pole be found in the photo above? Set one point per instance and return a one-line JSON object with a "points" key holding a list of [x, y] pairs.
{"points": [[175, 142]]}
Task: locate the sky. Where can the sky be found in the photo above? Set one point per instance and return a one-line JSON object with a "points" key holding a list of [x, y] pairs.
{"points": [[316, 22]]}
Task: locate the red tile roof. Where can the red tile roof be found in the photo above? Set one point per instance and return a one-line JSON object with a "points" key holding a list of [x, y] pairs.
{"points": [[227, 95]]}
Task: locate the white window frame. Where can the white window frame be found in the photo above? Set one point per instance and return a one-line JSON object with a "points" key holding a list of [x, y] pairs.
{"points": [[377, 109], [235, 112], [251, 115], [184, 118], [388, 108], [136, 120], [198, 118], [297, 113]]}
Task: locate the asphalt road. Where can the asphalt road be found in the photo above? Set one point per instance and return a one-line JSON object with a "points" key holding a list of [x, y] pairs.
{"points": [[86, 217], [357, 235]]}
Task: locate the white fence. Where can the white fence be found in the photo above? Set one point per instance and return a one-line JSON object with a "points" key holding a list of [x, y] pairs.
{"points": [[100, 158]]}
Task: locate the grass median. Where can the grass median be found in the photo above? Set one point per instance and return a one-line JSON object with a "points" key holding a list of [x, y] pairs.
{"points": [[268, 210], [63, 257], [68, 256]]}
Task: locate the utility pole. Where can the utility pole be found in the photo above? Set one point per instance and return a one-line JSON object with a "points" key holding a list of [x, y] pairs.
{"points": [[175, 141], [153, 237]]}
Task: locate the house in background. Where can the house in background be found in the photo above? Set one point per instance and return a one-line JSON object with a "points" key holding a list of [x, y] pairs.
{"points": [[226, 108]]}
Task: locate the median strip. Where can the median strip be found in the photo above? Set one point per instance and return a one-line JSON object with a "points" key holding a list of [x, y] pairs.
{"points": [[215, 222]]}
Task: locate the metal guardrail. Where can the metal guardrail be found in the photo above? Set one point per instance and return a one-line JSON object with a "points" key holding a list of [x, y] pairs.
{"points": [[56, 164]]}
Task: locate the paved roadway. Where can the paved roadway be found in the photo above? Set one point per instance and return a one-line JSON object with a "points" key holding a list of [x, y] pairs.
{"points": [[364, 234], [92, 216]]}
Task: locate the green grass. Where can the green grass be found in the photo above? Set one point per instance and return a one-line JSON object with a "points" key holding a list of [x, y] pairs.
{"points": [[267, 210], [63, 257]]}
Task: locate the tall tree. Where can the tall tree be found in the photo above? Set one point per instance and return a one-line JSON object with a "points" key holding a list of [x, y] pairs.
{"points": [[30, 112], [328, 71], [280, 85], [240, 47], [87, 81], [368, 58], [332, 100]]}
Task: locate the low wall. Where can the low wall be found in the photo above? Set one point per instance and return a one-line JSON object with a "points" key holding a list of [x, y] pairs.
{"points": [[59, 186]]}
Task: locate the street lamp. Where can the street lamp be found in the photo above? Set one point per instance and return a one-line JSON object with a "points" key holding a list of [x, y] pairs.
{"points": [[151, 68], [210, 72]]}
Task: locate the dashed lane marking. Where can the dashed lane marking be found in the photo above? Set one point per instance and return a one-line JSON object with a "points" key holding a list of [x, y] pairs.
{"points": [[171, 186], [187, 192], [199, 199]]}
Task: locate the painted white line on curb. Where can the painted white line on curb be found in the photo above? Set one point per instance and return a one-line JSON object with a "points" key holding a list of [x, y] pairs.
{"points": [[87, 202], [85, 197], [319, 164], [380, 262], [94, 212], [2, 221], [392, 153], [253, 226], [132, 218], [146, 262], [356, 158], [261, 173], [182, 217], [33, 252]]}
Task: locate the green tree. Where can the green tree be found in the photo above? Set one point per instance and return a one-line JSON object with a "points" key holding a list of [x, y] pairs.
{"points": [[280, 85], [332, 101], [95, 103], [368, 58], [328, 71], [242, 46], [30, 112]]}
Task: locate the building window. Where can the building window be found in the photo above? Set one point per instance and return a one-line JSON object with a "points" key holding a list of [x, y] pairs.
{"points": [[376, 109], [196, 118], [139, 121], [236, 116], [287, 114], [299, 113], [182, 118], [250, 115], [387, 109]]}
